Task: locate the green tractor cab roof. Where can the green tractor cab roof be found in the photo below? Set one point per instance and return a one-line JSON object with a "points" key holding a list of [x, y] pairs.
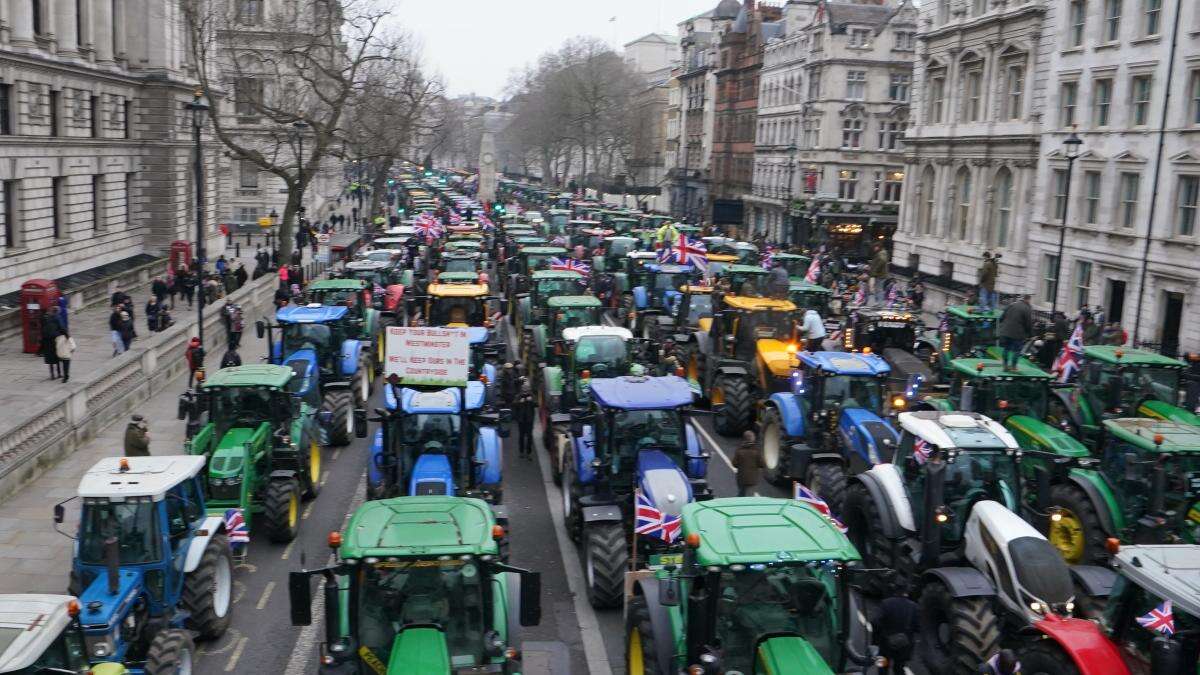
{"points": [[621, 238], [761, 530], [743, 269], [1142, 432], [256, 375], [573, 301], [790, 256], [530, 242], [545, 275], [420, 526], [543, 250], [1171, 572], [463, 246], [807, 287], [338, 285], [993, 369], [457, 278], [973, 313], [1129, 356]]}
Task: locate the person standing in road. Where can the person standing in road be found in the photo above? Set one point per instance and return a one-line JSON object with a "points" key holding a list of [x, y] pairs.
{"points": [[64, 346], [813, 329], [987, 281], [748, 462], [877, 272], [510, 384], [896, 629], [524, 413], [777, 282], [195, 359], [1015, 327], [137, 437]]}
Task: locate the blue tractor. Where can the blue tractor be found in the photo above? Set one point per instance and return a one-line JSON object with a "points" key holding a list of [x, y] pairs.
{"points": [[151, 570], [320, 340], [654, 288], [632, 452], [436, 442], [831, 423]]}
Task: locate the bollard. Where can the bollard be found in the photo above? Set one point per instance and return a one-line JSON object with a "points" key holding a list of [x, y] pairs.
{"points": [[237, 249], [247, 240]]}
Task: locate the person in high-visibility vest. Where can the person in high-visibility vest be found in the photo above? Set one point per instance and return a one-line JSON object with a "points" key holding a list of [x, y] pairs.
{"points": [[666, 235]]}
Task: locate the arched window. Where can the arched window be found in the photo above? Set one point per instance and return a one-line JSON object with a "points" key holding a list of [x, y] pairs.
{"points": [[962, 202], [1004, 207], [928, 197]]}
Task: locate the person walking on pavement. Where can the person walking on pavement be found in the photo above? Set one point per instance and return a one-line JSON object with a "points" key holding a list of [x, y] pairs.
{"points": [[877, 272], [114, 328], [748, 462], [126, 329], [64, 346], [187, 285], [222, 264], [63, 305], [240, 275], [1014, 328], [194, 357], [237, 324], [137, 437], [987, 281], [158, 288], [51, 329], [524, 414]]}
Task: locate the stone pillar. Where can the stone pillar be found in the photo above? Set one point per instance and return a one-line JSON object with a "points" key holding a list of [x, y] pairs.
{"points": [[118, 27], [64, 18], [102, 36], [487, 163], [20, 35]]}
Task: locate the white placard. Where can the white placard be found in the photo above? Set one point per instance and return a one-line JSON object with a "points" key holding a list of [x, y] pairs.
{"points": [[428, 356]]}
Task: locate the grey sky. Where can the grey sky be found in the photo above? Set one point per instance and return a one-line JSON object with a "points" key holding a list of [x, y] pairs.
{"points": [[475, 44]]}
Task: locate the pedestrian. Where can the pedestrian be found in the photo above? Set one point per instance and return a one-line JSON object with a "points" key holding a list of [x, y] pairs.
{"points": [[523, 412], [283, 277], [64, 346], [1003, 662], [1014, 328], [158, 288], [748, 462], [877, 272], [194, 356], [172, 287], [777, 282], [987, 281], [896, 628], [127, 331], [51, 329], [152, 307], [222, 264], [187, 285], [1091, 329], [114, 328], [916, 294], [231, 358], [235, 324], [63, 305], [239, 275], [813, 329], [137, 437], [510, 383]]}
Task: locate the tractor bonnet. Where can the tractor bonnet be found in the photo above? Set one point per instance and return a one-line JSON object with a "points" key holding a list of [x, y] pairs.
{"points": [[662, 482]]}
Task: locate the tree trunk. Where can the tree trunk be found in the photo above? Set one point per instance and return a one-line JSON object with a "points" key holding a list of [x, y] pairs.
{"points": [[287, 227], [378, 182]]}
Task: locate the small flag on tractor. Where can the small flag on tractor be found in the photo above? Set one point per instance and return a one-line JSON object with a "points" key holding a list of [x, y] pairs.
{"points": [[1160, 619], [921, 451], [235, 527], [654, 523], [803, 494], [1067, 362], [814, 270], [570, 265]]}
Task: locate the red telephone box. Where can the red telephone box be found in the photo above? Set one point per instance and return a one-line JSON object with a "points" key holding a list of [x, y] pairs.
{"points": [[181, 255], [37, 297]]}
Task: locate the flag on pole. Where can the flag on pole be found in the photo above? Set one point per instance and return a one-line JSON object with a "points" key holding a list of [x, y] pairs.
{"points": [[235, 527], [803, 494], [688, 251], [1160, 619], [921, 451], [428, 225], [814, 270], [570, 265], [654, 523], [1067, 362]]}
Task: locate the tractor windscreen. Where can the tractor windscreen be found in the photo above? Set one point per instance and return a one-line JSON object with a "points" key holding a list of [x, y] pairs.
{"points": [[468, 311], [976, 475], [1141, 383], [538, 261], [241, 406], [616, 249], [970, 334], [699, 306], [1017, 397], [459, 265], [760, 325], [133, 522], [336, 296], [549, 288], [669, 282], [796, 267], [634, 430], [425, 431], [761, 599], [449, 593], [603, 355], [571, 317], [312, 335], [853, 391], [1127, 601]]}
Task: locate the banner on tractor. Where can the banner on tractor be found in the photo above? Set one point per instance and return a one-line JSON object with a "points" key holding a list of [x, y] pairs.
{"points": [[428, 356]]}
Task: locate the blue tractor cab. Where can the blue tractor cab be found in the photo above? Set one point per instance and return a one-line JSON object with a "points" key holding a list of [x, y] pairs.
{"points": [[655, 289]]}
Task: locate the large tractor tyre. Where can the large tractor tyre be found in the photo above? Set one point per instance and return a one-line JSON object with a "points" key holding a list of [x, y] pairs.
{"points": [[628, 317], [605, 559], [364, 379], [828, 480], [341, 429], [1077, 534], [208, 590], [774, 449], [640, 654], [860, 513], [311, 469], [563, 444], [737, 406], [172, 652], [1045, 657], [688, 356], [957, 634], [570, 498], [281, 510]]}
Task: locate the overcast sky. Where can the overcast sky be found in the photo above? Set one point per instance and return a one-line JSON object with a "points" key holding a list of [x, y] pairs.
{"points": [[475, 44]]}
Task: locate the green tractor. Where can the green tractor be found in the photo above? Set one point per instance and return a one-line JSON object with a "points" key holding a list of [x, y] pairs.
{"points": [[261, 442], [964, 331], [562, 312], [419, 587], [587, 352], [795, 264], [357, 294], [764, 586], [807, 295], [532, 306], [520, 267], [615, 249]]}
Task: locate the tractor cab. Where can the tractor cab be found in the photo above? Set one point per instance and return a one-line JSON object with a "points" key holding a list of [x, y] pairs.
{"points": [[532, 306], [562, 312], [40, 634], [594, 352], [746, 327], [1153, 608], [964, 331], [353, 291], [530, 259], [653, 222], [589, 237], [557, 219], [796, 265], [385, 281], [456, 304], [730, 251], [423, 589], [807, 295], [984, 386], [688, 311], [1123, 382], [616, 248], [747, 280], [623, 225], [321, 329], [891, 333], [462, 261], [385, 255], [653, 289]]}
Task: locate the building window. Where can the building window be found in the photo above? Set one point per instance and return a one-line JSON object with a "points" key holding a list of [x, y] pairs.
{"points": [[97, 203], [1101, 101], [127, 108], [860, 37], [36, 14], [1141, 99], [129, 179], [55, 101], [1068, 98], [1152, 17], [1060, 194], [1112, 20], [893, 183], [1189, 202], [1195, 98], [898, 87], [890, 135], [1091, 197], [928, 200], [249, 12], [972, 93], [58, 192], [937, 98], [812, 134], [94, 104], [962, 210], [12, 237], [247, 94], [904, 40], [852, 133], [856, 85], [247, 175], [1004, 201], [1049, 278], [1077, 20], [946, 270], [1014, 84], [1083, 283], [814, 84], [1127, 208], [5, 109], [847, 184]]}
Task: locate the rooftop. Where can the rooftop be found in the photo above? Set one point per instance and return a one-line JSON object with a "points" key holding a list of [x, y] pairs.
{"points": [[1170, 572], [35, 620], [146, 477], [992, 368], [845, 363], [311, 314], [1140, 431], [457, 290], [1129, 356], [973, 313]]}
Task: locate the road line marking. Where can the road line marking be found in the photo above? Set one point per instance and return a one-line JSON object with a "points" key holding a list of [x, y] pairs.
{"points": [[236, 655], [288, 551], [715, 446], [336, 453], [308, 510], [266, 595]]}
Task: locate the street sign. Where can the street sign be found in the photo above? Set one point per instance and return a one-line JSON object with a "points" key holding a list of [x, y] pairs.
{"points": [[428, 356], [264, 222]]}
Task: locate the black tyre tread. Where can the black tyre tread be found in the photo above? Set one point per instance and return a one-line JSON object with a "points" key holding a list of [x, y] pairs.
{"points": [[1045, 657], [606, 545], [736, 414], [777, 476], [974, 632], [637, 616], [828, 480], [275, 510], [684, 354], [338, 402], [861, 515], [1075, 499], [197, 595], [573, 521], [167, 649]]}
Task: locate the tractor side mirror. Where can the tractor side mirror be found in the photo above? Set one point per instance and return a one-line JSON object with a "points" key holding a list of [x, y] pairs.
{"points": [[300, 595], [60, 513], [668, 592], [260, 327], [360, 423], [531, 598], [325, 418]]}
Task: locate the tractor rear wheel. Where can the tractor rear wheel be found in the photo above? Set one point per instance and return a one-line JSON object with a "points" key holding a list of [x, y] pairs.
{"points": [[689, 358], [605, 559], [774, 448], [1077, 533], [957, 634], [171, 653], [341, 428], [628, 316], [828, 479], [736, 411], [562, 444], [640, 658], [281, 510], [860, 513], [570, 497], [364, 378], [1045, 657], [310, 472], [208, 590]]}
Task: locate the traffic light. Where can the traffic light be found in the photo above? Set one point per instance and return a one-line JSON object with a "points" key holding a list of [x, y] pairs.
{"points": [[400, 210], [391, 181]]}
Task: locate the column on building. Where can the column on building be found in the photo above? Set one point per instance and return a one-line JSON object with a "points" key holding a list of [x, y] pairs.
{"points": [[66, 33], [102, 25], [20, 19], [118, 27]]}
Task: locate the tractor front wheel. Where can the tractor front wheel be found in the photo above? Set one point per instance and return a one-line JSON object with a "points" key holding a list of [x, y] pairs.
{"points": [[341, 428], [957, 634], [171, 653], [605, 558], [828, 480], [208, 590], [774, 449], [865, 525], [570, 497], [281, 510], [736, 411], [1045, 657], [1076, 533], [640, 657], [311, 468]]}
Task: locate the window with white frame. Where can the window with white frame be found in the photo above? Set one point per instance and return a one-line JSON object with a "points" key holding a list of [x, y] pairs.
{"points": [[1060, 194], [1194, 115], [1004, 207], [904, 40], [1151, 17], [814, 84], [1101, 101], [1076, 19], [1189, 202], [852, 128], [962, 208], [1091, 197], [972, 81], [893, 183], [860, 37], [247, 175], [1112, 20], [898, 87], [937, 97], [847, 184], [1049, 278], [812, 133], [1083, 283], [891, 135], [856, 85], [1068, 98], [1140, 87], [1014, 90], [1128, 199]]}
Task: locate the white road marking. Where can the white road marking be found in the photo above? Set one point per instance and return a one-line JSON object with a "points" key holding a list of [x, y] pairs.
{"points": [[287, 552], [308, 510], [266, 595], [236, 655], [336, 453], [239, 590], [714, 445]]}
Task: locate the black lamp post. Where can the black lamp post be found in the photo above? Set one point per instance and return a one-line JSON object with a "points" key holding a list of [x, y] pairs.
{"points": [[199, 110], [274, 216], [1071, 144], [299, 128], [787, 202]]}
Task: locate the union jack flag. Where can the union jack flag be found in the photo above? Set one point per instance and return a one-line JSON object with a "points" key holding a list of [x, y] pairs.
{"points": [[1159, 619], [688, 251], [921, 451], [768, 258], [455, 219], [814, 270], [485, 222], [803, 494], [570, 265], [860, 296], [1067, 362], [428, 225], [235, 526], [654, 523]]}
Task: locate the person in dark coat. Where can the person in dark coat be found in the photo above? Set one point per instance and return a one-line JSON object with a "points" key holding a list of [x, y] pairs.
{"points": [[987, 281], [510, 384], [63, 305], [1014, 328], [158, 288], [51, 329], [896, 631], [777, 282], [231, 358], [239, 275], [126, 329], [137, 437], [187, 285], [153, 305], [523, 413], [748, 462]]}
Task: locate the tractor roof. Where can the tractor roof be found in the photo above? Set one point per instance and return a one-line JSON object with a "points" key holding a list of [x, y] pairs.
{"points": [[671, 268], [763, 530], [439, 401], [383, 241], [354, 266], [401, 231], [973, 313], [1129, 356], [807, 287], [790, 256], [313, 313], [1171, 572], [743, 269], [420, 526], [337, 284], [621, 238], [457, 277], [962, 430], [146, 477], [542, 250], [29, 625], [642, 255], [993, 369], [1140, 431], [883, 314], [575, 333], [623, 219], [754, 304], [845, 363], [573, 301], [457, 290], [544, 275], [642, 393], [477, 335], [255, 375]]}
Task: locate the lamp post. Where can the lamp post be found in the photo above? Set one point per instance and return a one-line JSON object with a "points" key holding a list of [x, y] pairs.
{"points": [[274, 216], [199, 109], [299, 128], [1071, 144], [787, 202]]}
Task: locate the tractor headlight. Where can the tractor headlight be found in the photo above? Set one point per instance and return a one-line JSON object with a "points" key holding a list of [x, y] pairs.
{"points": [[101, 646]]}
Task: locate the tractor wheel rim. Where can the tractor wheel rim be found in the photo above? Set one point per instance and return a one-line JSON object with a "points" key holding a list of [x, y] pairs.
{"points": [[185, 663], [717, 395], [293, 509], [314, 461], [635, 666], [770, 447], [349, 423], [365, 387], [379, 349], [222, 588], [1066, 535], [566, 493]]}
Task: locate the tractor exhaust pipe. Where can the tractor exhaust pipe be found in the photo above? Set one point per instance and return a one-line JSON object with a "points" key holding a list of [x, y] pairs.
{"points": [[112, 562], [931, 534], [1158, 486]]}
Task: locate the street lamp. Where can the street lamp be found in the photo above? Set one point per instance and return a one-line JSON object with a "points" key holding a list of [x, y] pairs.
{"points": [[299, 128], [787, 202], [199, 110], [1071, 144], [274, 216]]}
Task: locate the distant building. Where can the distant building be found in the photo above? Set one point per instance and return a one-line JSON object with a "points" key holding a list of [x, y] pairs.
{"points": [[652, 53], [654, 56]]}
